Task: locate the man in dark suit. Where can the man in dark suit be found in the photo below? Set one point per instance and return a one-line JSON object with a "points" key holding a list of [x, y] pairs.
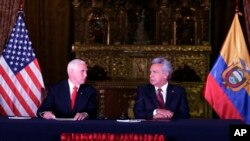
{"points": [[70, 98], [160, 99]]}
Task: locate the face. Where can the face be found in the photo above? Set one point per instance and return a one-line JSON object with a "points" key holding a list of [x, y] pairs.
{"points": [[158, 78], [78, 75]]}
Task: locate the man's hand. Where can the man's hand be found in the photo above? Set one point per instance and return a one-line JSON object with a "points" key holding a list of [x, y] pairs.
{"points": [[48, 115], [163, 114], [81, 116]]}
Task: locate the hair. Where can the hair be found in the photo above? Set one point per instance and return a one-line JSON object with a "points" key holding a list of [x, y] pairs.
{"points": [[72, 64], [166, 65]]}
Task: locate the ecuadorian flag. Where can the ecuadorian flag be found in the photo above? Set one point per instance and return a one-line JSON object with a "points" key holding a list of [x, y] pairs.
{"points": [[228, 83]]}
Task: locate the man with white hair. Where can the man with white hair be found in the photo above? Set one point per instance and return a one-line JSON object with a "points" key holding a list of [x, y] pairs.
{"points": [[161, 99], [71, 98]]}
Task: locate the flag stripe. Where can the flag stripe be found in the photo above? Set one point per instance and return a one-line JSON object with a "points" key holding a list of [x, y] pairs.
{"points": [[237, 45], [16, 91], [36, 75], [7, 93], [219, 100], [240, 99], [32, 72], [26, 88], [2, 110], [29, 76], [9, 106]]}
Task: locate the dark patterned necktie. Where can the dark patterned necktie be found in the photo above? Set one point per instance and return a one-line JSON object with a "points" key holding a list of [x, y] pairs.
{"points": [[159, 97]]}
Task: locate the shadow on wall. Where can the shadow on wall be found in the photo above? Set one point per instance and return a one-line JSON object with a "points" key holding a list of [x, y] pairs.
{"points": [[97, 73], [185, 73]]}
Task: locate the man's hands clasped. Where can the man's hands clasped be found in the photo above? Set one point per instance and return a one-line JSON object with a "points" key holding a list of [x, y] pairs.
{"points": [[163, 114], [78, 116]]}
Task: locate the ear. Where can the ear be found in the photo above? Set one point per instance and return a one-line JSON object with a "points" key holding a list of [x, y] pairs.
{"points": [[71, 70], [166, 75]]}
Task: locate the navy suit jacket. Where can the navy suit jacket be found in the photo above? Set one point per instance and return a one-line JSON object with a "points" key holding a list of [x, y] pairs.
{"points": [[58, 101], [146, 102]]}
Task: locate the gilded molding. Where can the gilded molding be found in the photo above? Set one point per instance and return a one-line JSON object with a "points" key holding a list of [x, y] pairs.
{"points": [[132, 61], [137, 48]]}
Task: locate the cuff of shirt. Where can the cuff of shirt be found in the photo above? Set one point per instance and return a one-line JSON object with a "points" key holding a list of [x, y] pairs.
{"points": [[154, 112]]}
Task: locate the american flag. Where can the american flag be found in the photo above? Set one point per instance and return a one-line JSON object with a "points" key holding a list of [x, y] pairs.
{"points": [[21, 81]]}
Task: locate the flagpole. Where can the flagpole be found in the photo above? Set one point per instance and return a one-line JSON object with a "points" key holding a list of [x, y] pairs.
{"points": [[21, 5], [237, 6]]}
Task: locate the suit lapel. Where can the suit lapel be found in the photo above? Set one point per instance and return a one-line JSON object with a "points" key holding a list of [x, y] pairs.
{"points": [[81, 96], [77, 97], [152, 95], [169, 95], [66, 100], [68, 96]]}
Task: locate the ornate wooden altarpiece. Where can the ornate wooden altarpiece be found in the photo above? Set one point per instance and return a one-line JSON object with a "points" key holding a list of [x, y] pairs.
{"points": [[119, 38]]}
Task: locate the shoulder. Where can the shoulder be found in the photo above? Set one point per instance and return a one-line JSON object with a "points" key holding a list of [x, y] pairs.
{"points": [[176, 88], [145, 87], [59, 85], [58, 88], [87, 87]]}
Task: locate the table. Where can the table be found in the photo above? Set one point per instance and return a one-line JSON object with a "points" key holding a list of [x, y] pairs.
{"points": [[37, 129]]}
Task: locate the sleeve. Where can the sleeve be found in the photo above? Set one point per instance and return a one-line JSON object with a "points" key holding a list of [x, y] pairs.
{"points": [[143, 108]]}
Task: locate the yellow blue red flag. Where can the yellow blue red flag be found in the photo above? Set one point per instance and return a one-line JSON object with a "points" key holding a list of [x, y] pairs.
{"points": [[228, 83]]}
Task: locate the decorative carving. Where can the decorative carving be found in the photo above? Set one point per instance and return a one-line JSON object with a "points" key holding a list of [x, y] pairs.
{"points": [[186, 26], [115, 35], [127, 66], [132, 61], [143, 22], [98, 28], [199, 108]]}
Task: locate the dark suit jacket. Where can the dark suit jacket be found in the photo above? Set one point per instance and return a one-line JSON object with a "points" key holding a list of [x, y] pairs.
{"points": [[146, 102], [58, 101]]}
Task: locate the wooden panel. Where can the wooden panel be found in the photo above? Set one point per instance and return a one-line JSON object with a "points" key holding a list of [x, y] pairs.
{"points": [[116, 102]]}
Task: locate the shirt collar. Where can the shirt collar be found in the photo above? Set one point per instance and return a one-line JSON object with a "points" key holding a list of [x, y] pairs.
{"points": [[71, 85], [164, 88]]}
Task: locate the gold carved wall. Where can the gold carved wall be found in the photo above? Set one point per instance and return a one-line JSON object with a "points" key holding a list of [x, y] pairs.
{"points": [[119, 22], [119, 38], [126, 67], [128, 62]]}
